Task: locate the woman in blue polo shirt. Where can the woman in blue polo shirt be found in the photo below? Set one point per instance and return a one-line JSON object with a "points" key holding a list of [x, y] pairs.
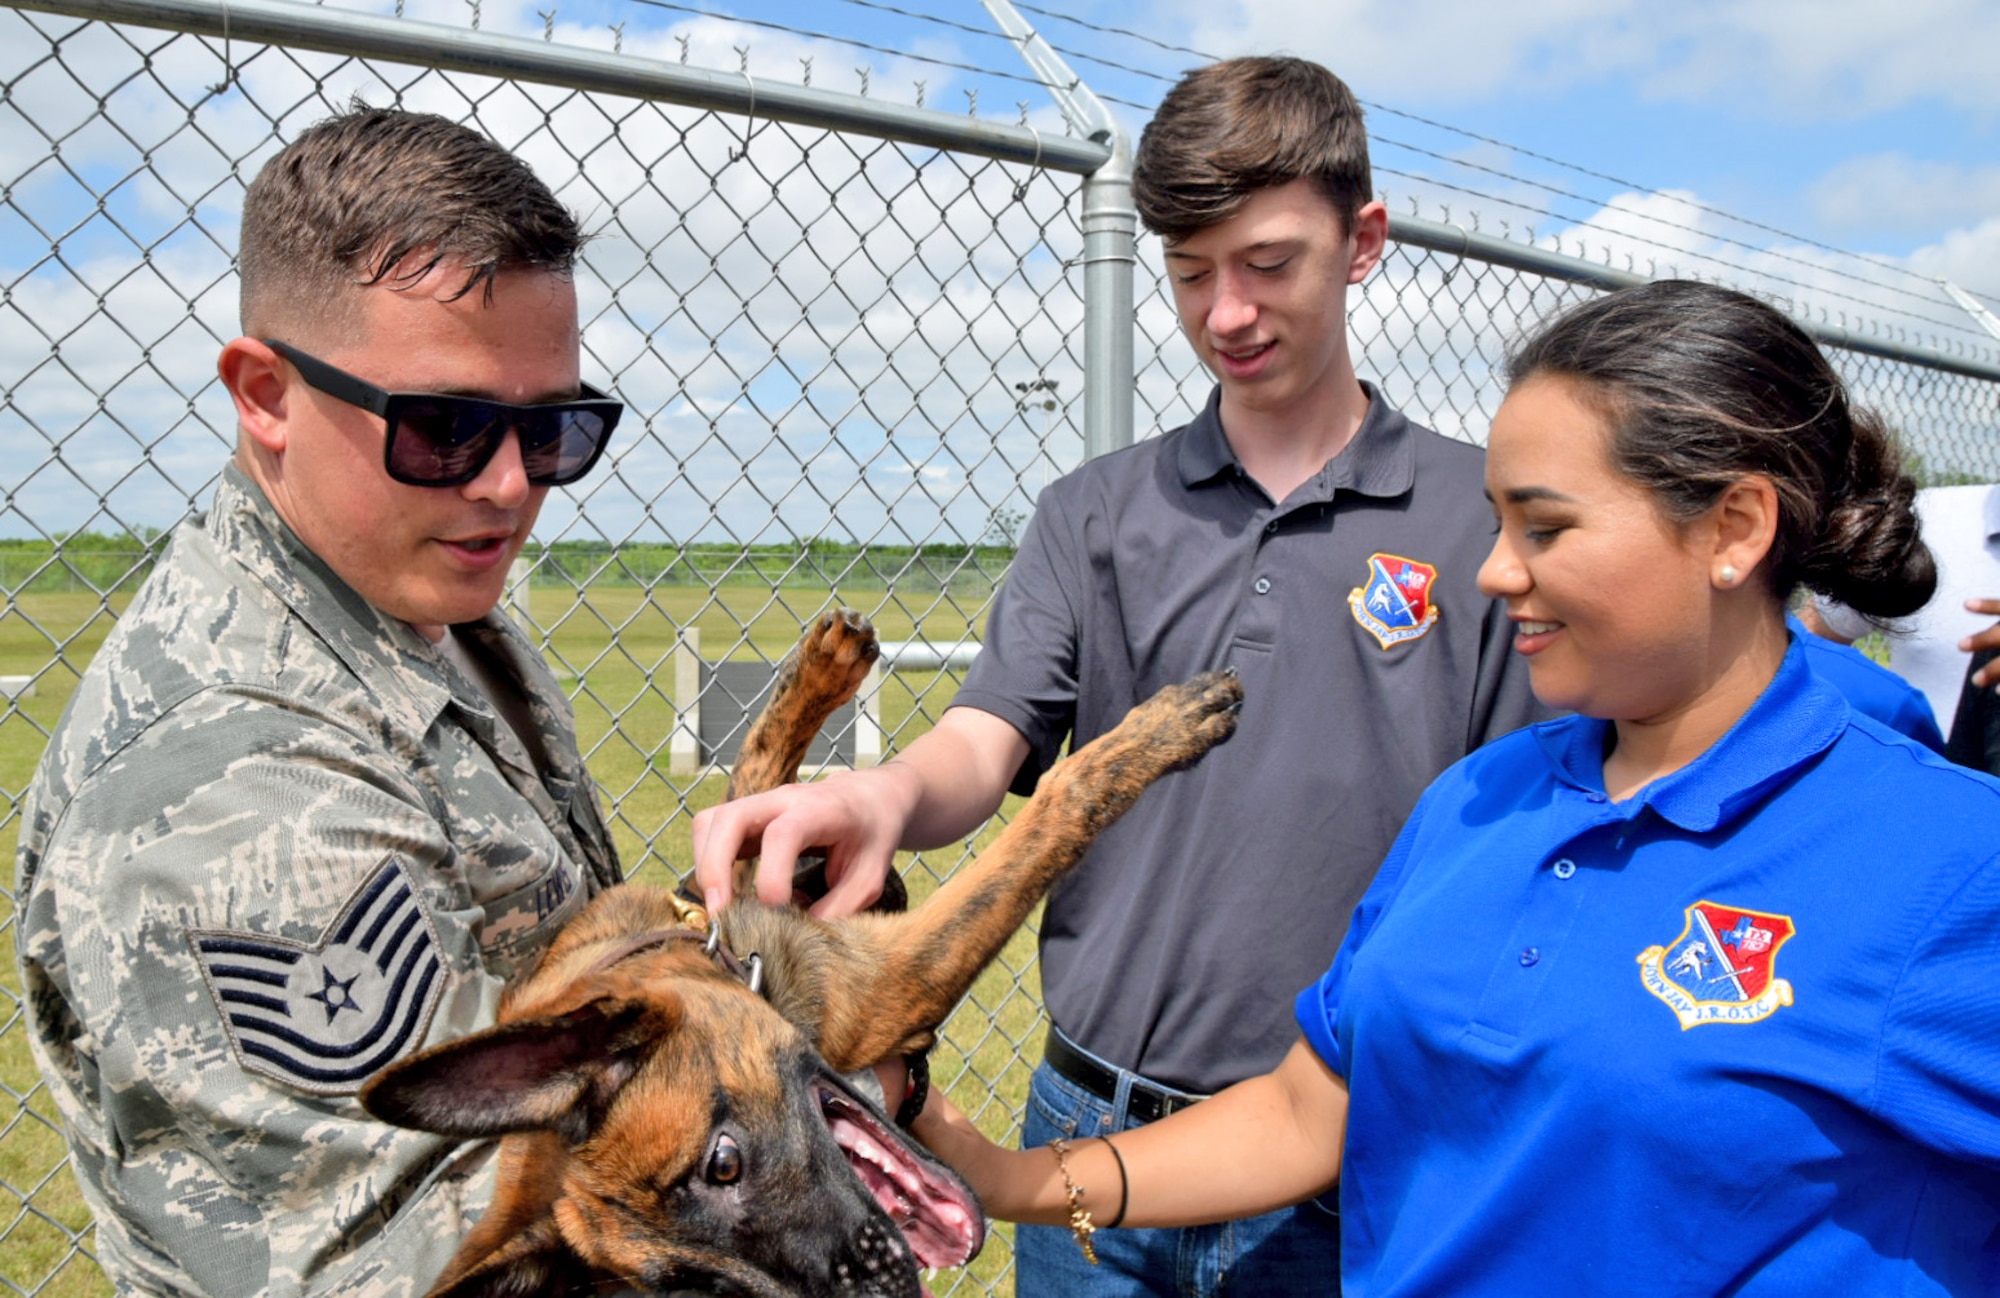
{"points": [[1696, 991]]}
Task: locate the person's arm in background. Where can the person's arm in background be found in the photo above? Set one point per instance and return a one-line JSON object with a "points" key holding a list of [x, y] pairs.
{"points": [[934, 792], [1264, 1143], [1975, 729], [1988, 673], [1837, 624]]}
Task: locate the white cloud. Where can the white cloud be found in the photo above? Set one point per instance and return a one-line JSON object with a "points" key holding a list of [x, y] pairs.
{"points": [[1387, 49], [1884, 191], [1838, 57], [1969, 257]]}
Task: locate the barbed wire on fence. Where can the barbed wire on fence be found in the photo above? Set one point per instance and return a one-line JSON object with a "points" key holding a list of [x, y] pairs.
{"points": [[1628, 221]]}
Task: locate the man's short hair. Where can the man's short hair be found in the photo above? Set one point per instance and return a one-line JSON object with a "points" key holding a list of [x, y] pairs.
{"points": [[1233, 128], [380, 195]]}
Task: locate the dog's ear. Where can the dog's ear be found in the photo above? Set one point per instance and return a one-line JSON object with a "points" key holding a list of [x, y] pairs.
{"points": [[552, 1073], [534, 1261]]}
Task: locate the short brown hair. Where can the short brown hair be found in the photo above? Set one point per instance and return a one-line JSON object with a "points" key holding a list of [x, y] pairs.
{"points": [[380, 194], [1242, 125]]}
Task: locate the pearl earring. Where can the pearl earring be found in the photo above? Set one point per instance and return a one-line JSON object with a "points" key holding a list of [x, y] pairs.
{"points": [[1727, 576]]}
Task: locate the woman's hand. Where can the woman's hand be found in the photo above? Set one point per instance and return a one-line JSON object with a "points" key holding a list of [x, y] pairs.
{"points": [[1011, 1183], [1273, 1140]]}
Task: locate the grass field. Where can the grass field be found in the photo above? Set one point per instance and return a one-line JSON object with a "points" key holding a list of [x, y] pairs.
{"points": [[612, 646]]}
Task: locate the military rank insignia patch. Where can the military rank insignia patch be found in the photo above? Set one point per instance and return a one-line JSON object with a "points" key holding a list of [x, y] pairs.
{"points": [[1394, 603], [1721, 969], [325, 1017]]}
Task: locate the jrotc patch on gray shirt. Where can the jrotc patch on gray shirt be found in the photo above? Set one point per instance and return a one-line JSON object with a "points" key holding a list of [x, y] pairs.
{"points": [[276, 841]]}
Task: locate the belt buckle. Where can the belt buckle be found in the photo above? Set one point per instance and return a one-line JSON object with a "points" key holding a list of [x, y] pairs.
{"points": [[1149, 1103], [1161, 1102], [1144, 1101]]}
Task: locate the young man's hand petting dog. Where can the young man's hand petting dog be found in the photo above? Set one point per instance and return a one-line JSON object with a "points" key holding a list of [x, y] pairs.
{"points": [[671, 1090]]}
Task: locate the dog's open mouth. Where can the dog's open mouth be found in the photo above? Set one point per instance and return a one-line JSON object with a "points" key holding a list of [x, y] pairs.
{"points": [[934, 1209]]}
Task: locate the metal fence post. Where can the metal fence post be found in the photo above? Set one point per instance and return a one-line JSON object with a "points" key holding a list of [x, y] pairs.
{"points": [[1110, 230], [684, 744]]}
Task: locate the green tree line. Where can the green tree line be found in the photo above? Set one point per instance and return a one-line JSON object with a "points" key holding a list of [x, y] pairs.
{"points": [[817, 562], [119, 561]]}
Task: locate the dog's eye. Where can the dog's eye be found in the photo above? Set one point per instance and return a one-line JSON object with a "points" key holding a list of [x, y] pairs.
{"points": [[725, 1162]]}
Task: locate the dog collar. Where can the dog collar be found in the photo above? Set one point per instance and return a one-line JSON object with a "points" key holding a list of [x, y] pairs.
{"points": [[749, 970]]}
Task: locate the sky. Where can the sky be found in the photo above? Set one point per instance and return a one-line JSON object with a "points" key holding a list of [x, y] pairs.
{"points": [[844, 360], [1840, 154], [1865, 125], [1861, 125]]}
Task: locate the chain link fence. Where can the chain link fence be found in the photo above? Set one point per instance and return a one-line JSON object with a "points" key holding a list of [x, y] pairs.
{"points": [[853, 357]]}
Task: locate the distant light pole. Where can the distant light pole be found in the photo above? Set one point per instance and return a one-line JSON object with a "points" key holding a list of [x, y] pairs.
{"points": [[1027, 390], [1047, 401]]}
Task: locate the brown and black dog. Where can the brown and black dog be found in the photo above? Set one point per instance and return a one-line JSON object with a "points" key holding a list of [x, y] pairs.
{"points": [[670, 1129]]}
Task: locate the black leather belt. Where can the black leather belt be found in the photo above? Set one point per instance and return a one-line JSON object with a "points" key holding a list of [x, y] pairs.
{"points": [[1146, 1102]]}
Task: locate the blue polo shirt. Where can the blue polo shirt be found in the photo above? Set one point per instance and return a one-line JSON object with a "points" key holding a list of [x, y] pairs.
{"points": [[1870, 688], [1739, 1033]]}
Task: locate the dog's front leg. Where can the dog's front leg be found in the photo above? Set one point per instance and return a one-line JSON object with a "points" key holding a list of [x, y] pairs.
{"points": [[912, 969], [821, 672]]}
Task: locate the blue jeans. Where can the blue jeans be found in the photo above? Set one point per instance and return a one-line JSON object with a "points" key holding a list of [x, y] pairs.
{"points": [[1294, 1251]]}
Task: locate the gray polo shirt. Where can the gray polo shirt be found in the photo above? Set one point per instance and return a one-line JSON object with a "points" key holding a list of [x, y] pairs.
{"points": [[1370, 662]]}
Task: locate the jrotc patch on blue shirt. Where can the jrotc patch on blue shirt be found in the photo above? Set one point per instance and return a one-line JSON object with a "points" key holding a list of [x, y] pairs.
{"points": [[1394, 603], [1722, 968], [324, 1018]]}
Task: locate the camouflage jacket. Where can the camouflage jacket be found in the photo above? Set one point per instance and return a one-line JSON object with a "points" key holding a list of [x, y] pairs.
{"points": [[278, 840]]}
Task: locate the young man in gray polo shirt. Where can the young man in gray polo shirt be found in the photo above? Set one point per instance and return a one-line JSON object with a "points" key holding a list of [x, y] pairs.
{"points": [[1299, 530]]}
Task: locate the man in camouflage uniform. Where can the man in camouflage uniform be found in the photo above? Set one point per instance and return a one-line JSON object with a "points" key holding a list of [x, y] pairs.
{"points": [[316, 800]]}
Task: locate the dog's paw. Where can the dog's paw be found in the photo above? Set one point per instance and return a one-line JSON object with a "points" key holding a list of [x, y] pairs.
{"points": [[1183, 721], [832, 657]]}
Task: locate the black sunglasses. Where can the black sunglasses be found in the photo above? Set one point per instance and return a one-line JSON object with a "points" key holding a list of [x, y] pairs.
{"points": [[436, 440]]}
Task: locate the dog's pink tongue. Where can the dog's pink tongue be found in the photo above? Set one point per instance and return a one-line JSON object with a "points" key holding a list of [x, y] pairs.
{"points": [[937, 1214]]}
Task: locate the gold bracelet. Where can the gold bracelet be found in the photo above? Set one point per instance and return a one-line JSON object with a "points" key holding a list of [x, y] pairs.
{"points": [[1080, 1224]]}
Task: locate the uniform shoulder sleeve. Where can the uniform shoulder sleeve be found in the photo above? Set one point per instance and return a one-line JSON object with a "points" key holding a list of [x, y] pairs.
{"points": [[237, 918]]}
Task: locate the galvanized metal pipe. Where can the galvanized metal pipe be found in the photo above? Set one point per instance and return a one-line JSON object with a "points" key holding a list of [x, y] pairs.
{"points": [[1457, 241], [1110, 258], [1110, 248], [456, 49]]}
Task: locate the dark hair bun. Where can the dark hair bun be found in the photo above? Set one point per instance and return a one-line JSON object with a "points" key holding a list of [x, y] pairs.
{"points": [[1871, 555], [1705, 386]]}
